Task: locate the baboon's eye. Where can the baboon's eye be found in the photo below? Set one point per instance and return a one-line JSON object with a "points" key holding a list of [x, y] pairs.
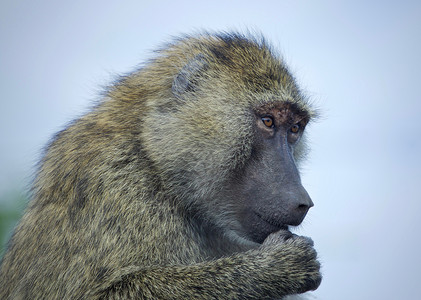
{"points": [[268, 121], [295, 128]]}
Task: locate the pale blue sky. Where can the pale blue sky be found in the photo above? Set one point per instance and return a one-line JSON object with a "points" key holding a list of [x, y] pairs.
{"points": [[359, 60]]}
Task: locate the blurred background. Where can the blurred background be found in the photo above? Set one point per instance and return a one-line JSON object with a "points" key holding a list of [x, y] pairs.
{"points": [[358, 60]]}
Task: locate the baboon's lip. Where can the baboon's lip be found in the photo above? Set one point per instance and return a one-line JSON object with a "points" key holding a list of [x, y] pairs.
{"points": [[272, 223]]}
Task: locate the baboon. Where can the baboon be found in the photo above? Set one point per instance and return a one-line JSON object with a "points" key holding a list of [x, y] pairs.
{"points": [[180, 184]]}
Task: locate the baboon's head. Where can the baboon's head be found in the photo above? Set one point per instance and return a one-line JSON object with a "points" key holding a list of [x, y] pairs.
{"points": [[225, 132]]}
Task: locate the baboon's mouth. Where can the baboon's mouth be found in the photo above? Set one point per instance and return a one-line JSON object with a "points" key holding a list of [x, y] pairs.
{"points": [[273, 223]]}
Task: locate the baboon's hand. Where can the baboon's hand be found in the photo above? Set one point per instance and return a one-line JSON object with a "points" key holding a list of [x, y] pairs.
{"points": [[282, 236], [278, 237], [296, 258]]}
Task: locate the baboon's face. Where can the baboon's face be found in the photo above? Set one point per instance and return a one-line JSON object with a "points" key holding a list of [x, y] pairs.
{"points": [[268, 192]]}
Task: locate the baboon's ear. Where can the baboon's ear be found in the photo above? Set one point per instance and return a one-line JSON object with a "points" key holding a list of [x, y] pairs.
{"points": [[187, 79]]}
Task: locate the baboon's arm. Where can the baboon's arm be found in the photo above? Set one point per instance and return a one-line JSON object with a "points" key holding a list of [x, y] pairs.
{"points": [[255, 274]]}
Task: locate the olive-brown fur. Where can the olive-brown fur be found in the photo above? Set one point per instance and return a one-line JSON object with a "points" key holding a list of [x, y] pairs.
{"points": [[127, 199]]}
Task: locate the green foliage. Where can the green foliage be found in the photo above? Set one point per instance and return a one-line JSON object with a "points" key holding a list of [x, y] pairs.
{"points": [[11, 208]]}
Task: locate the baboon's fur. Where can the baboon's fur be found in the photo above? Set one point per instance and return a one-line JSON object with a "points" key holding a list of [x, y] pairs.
{"points": [[125, 200]]}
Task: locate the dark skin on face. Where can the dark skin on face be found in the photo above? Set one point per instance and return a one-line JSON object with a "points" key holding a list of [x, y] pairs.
{"points": [[270, 190]]}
